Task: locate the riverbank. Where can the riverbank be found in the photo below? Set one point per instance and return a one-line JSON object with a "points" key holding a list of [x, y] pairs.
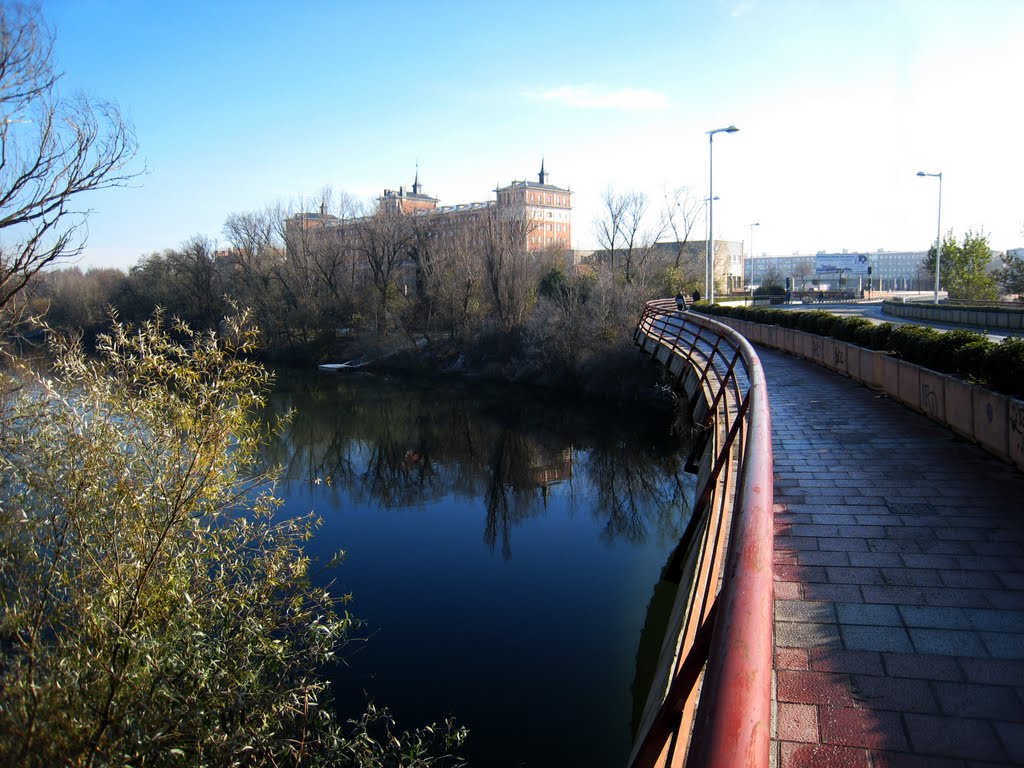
{"points": [[618, 375]]}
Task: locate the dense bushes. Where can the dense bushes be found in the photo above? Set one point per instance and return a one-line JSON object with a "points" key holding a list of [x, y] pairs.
{"points": [[996, 365]]}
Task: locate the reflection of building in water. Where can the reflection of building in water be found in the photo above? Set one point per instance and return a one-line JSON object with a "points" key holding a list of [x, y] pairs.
{"points": [[551, 467]]}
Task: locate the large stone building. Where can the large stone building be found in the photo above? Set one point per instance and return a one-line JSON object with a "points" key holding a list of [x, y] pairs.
{"points": [[546, 208]]}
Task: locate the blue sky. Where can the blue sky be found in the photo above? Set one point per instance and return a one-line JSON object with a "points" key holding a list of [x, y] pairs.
{"points": [[240, 105]]}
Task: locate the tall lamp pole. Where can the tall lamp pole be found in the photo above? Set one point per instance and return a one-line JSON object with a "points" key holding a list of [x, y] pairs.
{"points": [[938, 233], [707, 229], [711, 210], [755, 224]]}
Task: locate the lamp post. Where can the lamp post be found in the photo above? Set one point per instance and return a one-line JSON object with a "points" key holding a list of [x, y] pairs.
{"points": [[711, 210], [755, 224], [938, 233], [706, 230]]}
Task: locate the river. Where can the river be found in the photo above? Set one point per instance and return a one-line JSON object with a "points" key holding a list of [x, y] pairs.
{"points": [[502, 549]]}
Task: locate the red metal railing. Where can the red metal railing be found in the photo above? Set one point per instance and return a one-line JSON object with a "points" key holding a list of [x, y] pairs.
{"points": [[710, 704]]}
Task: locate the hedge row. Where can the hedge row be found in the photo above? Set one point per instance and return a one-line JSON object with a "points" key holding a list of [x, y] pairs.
{"points": [[998, 366]]}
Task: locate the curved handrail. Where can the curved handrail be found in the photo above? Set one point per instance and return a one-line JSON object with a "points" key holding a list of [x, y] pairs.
{"points": [[723, 622]]}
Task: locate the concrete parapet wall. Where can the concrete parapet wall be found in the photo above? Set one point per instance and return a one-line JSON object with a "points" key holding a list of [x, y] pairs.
{"points": [[1007, 319]]}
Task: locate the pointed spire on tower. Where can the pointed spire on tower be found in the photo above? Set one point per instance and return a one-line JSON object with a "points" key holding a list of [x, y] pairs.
{"points": [[416, 183], [542, 175]]}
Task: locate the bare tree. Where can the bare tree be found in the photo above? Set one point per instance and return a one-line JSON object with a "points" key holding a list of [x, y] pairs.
{"points": [[195, 269], [637, 240], [609, 224], [621, 231], [508, 264], [52, 150], [681, 211], [452, 276], [772, 276], [801, 270], [384, 240]]}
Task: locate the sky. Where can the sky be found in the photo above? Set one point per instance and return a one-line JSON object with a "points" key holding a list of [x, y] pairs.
{"points": [[839, 103]]}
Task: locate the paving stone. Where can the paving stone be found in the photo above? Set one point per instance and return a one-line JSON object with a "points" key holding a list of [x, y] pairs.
{"points": [[935, 617], [788, 590], [875, 559], [814, 688], [993, 671], [996, 621], [893, 595], [797, 722], [791, 658], [911, 577], [1004, 600], [824, 558], [869, 638], [804, 610], [929, 560], [851, 662], [850, 575], [855, 727], [1003, 645], [895, 694], [948, 642], [970, 579], [868, 613], [843, 545], [807, 635], [922, 666], [881, 759], [959, 598], [845, 593], [954, 737], [796, 755], [800, 573], [980, 701], [1012, 737]]}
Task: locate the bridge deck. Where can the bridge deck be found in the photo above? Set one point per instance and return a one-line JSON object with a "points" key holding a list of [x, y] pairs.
{"points": [[899, 584]]}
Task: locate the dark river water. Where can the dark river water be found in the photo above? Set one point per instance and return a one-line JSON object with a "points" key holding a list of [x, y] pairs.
{"points": [[502, 548]]}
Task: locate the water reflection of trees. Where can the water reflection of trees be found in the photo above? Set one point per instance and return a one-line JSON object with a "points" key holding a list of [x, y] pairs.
{"points": [[381, 442]]}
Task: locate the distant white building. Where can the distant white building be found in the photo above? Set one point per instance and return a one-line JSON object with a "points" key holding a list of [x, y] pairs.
{"points": [[890, 270]]}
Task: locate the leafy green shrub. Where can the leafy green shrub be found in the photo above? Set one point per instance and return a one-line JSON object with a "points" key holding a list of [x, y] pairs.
{"points": [[879, 336], [851, 329], [1006, 367], [816, 321], [912, 342], [153, 609], [944, 351], [971, 360]]}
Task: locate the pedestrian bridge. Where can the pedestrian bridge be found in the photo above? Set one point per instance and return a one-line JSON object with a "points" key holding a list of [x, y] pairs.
{"points": [[889, 629]]}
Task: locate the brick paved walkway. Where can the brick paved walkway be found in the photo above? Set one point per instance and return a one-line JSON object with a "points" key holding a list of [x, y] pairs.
{"points": [[899, 584]]}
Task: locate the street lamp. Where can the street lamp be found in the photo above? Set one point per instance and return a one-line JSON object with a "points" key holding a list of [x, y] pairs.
{"points": [[706, 230], [755, 224], [938, 232], [710, 285]]}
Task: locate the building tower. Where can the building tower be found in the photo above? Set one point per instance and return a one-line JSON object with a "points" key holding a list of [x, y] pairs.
{"points": [[547, 208]]}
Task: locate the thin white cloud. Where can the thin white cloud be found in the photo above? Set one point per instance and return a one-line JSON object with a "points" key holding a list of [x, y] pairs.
{"points": [[740, 9], [596, 97]]}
